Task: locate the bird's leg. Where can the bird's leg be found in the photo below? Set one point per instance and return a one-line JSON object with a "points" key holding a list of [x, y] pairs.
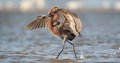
{"points": [[61, 50], [73, 48]]}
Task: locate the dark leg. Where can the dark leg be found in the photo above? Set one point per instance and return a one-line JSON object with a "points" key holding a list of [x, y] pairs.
{"points": [[73, 48], [61, 50]]}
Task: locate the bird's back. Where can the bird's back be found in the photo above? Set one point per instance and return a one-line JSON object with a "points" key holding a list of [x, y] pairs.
{"points": [[70, 21]]}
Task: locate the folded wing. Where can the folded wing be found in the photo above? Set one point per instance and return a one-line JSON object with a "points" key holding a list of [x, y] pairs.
{"points": [[40, 22], [70, 21]]}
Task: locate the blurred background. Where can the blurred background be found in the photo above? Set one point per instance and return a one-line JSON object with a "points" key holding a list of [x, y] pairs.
{"points": [[101, 32], [36, 5]]}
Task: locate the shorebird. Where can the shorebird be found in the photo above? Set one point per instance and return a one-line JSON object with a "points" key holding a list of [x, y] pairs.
{"points": [[67, 28]]}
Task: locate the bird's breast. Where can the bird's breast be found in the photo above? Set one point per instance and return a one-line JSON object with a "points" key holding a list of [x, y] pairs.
{"points": [[53, 30]]}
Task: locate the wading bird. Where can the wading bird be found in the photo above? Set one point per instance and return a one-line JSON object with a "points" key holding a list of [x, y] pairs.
{"points": [[67, 29]]}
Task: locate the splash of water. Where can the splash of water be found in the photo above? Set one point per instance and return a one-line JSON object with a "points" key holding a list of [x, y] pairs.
{"points": [[82, 56], [119, 48]]}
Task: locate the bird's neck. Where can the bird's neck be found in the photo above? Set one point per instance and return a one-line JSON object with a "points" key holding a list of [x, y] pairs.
{"points": [[55, 17], [50, 24]]}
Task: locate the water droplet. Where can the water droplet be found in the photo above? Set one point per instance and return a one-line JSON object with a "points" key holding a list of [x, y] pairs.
{"points": [[81, 56]]}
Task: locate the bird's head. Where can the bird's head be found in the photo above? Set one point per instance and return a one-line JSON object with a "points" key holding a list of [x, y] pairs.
{"points": [[53, 10]]}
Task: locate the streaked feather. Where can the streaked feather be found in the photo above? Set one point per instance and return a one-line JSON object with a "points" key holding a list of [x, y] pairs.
{"points": [[71, 18], [39, 22]]}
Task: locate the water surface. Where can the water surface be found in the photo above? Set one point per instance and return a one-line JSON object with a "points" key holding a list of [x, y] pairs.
{"points": [[101, 42]]}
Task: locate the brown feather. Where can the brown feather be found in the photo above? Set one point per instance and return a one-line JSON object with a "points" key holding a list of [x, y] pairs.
{"points": [[35, 24], [29, 26], [70, 21], [38, 23], [32, 26]]}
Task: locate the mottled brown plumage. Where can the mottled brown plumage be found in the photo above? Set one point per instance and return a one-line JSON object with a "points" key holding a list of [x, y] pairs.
{"points": [[67, 29]]}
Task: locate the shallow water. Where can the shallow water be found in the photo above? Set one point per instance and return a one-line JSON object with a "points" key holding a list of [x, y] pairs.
{"points": [[101, 42]]}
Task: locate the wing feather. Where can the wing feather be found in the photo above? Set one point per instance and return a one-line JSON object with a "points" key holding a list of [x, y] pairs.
{"points": [[34, 25], [37, 24], [30, 26], [40, 22], [70, 21]]}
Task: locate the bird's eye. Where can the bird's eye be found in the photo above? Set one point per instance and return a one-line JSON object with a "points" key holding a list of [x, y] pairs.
{"points": [[43, 17]]}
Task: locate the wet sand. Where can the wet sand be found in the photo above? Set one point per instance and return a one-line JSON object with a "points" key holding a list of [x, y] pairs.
{"points": [[101, 42]]}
